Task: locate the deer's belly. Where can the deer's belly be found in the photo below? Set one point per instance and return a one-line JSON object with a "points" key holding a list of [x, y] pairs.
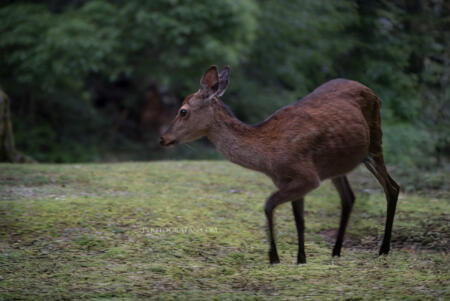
{"points": [[340, 163], [342, 153]]}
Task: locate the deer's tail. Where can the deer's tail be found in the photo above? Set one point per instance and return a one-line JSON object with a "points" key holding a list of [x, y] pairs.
{"points": [[370, 107]]}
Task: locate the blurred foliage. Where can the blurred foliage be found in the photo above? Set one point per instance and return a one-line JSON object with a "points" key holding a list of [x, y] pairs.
{"points": [[401, 51], [52, 60], [56, 55]]}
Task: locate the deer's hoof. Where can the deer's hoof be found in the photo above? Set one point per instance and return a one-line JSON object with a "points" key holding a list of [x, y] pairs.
{"points": [[384, 251], [301, 258], [273, 257]]}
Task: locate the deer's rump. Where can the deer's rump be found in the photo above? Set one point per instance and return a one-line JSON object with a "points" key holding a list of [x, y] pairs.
{"points": [[346, 114], [332, 126]]}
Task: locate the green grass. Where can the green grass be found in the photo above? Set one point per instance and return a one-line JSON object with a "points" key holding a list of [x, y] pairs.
{"points": [[189, 230]]}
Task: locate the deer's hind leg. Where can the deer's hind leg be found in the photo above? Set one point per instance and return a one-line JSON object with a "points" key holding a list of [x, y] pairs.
{"points": [[347, 199], [375, 164]]}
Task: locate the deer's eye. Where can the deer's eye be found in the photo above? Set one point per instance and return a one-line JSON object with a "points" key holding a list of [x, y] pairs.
{"points": [[183, 112]]}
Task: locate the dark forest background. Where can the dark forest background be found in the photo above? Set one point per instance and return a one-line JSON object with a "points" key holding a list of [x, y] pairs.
{"points": [[99, 80]]}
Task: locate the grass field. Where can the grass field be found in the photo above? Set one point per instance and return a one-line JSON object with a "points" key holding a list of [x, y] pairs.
{"points": [[189, 230]]}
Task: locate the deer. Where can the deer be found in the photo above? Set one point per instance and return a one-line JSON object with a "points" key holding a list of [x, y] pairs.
{"points": [[324, 135]]}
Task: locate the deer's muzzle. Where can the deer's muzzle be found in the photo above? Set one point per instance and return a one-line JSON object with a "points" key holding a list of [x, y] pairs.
{"points": [[166, 142]]}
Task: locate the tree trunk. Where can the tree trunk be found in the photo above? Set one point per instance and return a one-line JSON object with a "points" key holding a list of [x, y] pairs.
{"points": [[8, 152]]}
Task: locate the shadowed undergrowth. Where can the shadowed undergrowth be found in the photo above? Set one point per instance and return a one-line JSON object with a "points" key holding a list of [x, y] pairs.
{"points": [[196, 230]]}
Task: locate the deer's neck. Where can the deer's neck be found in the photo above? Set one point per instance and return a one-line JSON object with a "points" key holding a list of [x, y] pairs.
{"points": [[238, 142]]}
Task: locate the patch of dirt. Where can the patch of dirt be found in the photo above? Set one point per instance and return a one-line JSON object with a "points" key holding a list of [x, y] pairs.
{"points": [[432, 235], [11, 193], [55, 192], [429, 234], [350, 241], [255, 287]]}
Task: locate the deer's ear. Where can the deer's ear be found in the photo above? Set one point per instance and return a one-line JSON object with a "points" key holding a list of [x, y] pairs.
{"points": [[209, 84], [223, 81]]}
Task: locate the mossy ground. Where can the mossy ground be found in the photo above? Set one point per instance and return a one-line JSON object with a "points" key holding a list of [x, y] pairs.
{"points": [[190, 230]]}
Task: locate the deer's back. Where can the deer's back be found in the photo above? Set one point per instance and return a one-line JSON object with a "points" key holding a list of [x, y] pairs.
{"points": [[329, 127]]}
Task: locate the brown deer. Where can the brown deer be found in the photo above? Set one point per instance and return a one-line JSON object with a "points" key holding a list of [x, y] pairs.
{"points": [[322, 136]]}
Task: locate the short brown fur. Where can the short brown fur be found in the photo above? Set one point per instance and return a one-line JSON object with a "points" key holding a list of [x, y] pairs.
{"points": [[322, 136]]}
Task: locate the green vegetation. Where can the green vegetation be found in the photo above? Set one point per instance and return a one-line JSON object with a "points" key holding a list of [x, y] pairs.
{"points": [[78, 71], [189, 230]]}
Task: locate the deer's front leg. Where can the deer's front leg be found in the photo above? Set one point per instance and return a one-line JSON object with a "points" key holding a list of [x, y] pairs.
{"points": [[298, 210], [271, 203], [292, 191]]}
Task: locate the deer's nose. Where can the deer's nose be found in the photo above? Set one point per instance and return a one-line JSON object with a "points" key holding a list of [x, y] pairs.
{"points": [[161, 140]]}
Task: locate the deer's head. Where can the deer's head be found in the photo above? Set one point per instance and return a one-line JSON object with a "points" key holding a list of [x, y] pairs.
{"points": [[196, 114]]}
